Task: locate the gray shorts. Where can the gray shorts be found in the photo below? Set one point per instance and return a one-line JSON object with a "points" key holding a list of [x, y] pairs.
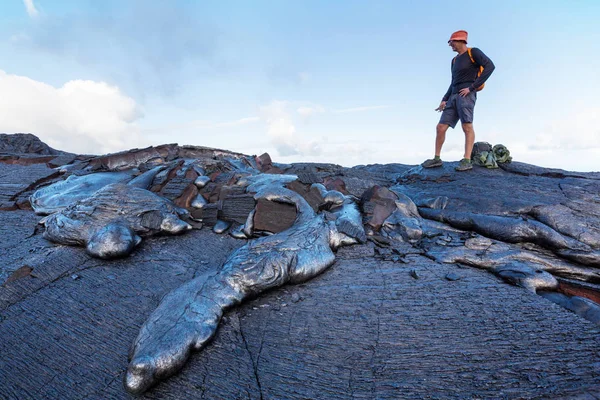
{"points": [[458, 107]]}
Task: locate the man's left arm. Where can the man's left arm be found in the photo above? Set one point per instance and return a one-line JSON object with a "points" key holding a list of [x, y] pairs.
{"points": [[488, 67]]}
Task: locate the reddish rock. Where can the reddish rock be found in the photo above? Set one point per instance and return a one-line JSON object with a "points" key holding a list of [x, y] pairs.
{"points": [[22, 272], [8, 159], [7, 205], [264, 162], [23, 203], [274, 171], [213, 177], [335, 184], [377, 204], [273, 217], [25, 160], [578, 289], [311, 195], [188, 195], [191, 173], [211, 192], [163, 177]]}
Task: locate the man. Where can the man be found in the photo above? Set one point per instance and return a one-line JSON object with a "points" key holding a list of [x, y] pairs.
{"points": [[459, 100]]}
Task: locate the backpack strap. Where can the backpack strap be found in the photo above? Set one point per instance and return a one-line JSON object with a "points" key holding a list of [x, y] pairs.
{"points": [[480, 68], [470, 55]]}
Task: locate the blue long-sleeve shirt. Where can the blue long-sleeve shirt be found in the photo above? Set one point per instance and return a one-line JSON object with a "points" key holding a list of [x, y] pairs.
{"points": [[464, 71]]}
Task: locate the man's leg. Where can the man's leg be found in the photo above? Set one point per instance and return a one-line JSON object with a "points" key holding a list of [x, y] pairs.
{"points": [[440, 137], [465, 163], [448, 119], [469, 139]]}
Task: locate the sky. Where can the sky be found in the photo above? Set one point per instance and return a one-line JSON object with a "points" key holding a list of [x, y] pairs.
{"points": [[346, 82]]}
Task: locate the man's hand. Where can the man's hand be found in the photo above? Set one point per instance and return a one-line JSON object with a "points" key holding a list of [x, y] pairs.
{"points": [[464, 92], [441, 107]]}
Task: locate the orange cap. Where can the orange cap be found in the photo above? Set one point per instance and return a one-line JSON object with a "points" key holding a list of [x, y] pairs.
{"points": [[459, 35]]}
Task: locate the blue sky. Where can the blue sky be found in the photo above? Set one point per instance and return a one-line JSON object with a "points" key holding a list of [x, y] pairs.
{"points": [[349, 82]]}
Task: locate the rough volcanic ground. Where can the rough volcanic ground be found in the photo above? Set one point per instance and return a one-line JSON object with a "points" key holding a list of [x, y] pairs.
{"points": [[386, 321]]}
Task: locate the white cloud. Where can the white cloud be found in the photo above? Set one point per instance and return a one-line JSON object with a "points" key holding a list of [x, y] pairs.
{"points": [[281, 131], [578, 131], [81, 116], [359, 109], [308, 111], [185, 43], [237, 122], [309, 145], [199, 125], [31, 10]]}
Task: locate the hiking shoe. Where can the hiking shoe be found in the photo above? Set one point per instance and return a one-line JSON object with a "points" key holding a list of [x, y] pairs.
{"points": [[464, 165], [432, 163]]}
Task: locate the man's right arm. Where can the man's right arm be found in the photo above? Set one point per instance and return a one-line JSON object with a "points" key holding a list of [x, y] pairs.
{"points": [[448, 93], [444, 100]]}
